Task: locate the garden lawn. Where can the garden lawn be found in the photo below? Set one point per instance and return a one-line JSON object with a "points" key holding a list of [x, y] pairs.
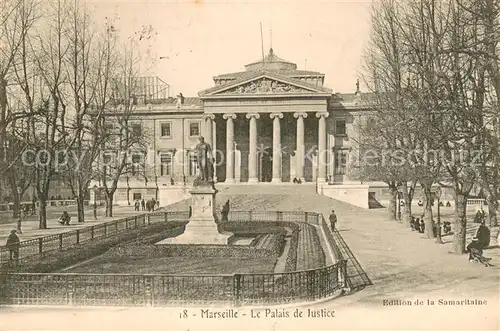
{"points": [[175, 265]]}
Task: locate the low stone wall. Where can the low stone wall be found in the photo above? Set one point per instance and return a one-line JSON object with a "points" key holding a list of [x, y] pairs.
{"points": [[354, 194]]}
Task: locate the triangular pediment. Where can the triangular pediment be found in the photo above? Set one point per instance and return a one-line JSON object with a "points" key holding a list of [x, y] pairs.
{"points": [[264, 84]]}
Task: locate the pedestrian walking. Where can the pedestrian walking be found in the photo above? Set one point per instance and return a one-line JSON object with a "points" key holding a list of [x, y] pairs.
{"points": [[13, 243], [137, 205], [33, 206], [225, 211], [143, 204], [333, 220]]}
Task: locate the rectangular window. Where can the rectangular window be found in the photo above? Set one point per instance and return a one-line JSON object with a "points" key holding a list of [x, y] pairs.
{"points": [[194, 129], [340, 161], [166, 165], [137, 163], [193, 164], [340, 128], [107, 164], [136, 130], [137, 196], [166, 130]]}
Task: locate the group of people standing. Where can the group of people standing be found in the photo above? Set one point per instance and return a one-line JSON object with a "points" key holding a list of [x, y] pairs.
{"points": [[149, 205]]}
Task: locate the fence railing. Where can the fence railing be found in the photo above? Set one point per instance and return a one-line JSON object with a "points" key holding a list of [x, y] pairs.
{"points": [[164, 290], [39, 246], [278, 216]]}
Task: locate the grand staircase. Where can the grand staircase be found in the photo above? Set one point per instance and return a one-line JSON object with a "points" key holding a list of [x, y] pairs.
{"points": [[281, 197]]}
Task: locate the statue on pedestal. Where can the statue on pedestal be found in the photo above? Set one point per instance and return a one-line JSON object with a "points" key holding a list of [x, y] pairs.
{"points": [[205, 161]]}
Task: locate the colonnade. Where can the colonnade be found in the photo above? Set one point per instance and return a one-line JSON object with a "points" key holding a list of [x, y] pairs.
{"points": [[277, 155]]}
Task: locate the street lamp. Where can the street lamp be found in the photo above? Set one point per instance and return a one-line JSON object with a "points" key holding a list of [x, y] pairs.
{"points": [[19, 210], [95, 201], [438, 232]]}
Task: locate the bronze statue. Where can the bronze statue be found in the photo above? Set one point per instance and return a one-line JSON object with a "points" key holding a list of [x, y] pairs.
{"points": [[205, 161]]}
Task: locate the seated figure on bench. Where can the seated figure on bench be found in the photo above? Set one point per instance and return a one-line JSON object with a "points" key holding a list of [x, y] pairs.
{"points": [[446, 227], [475, 250], [414, 223], [483, 234], [65, 218], [421, 227]]}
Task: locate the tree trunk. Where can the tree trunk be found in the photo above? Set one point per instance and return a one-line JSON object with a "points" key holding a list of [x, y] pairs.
{"points": [[42, 216], [408, 199], [392, 202], [459, 235], [16, 211], [429, 223], [80, 208], [109, 204], [492, 209]]}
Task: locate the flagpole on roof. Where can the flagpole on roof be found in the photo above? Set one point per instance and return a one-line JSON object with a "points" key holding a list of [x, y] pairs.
{"points": [[271, 36], [262, 42]]}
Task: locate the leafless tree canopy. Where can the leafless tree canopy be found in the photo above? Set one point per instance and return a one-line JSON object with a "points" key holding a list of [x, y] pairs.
{"points": [[433, 69]]}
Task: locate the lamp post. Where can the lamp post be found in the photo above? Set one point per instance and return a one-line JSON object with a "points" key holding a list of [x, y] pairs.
{"points": [[438, 232], [19, 210], [95, 201]]}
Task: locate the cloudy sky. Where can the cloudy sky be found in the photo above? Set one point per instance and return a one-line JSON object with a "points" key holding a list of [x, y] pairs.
{"points": [[201, 39]]}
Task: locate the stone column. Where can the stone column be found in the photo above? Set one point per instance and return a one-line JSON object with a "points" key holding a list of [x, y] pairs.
{"points": [[321, 176], [252, 148], [214, 147], [299, 157], [276, 147], [229, 147]]}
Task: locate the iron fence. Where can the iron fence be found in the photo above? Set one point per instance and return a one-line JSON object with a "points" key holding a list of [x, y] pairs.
{"points": [[278, 216], [42, 245], [165, 290]]}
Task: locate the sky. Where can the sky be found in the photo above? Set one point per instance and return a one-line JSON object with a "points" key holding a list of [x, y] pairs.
{"points": [[201, 39]]}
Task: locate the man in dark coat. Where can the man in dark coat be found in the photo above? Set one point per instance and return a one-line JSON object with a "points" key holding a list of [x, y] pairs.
{"points": [[225, 211], [333, 220], [33, 206], [475, 250], [143, 204], [13, 244], [483, 234]]}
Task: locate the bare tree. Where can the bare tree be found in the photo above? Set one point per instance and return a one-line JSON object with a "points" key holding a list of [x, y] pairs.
{"points": [[87, 67], [17, 19], [123, 141]]}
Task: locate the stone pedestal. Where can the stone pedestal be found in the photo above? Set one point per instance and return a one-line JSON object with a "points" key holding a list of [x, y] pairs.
{"points": [[202, 227]]}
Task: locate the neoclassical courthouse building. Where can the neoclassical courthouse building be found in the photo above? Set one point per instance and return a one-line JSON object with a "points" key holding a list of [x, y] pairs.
{"points": [[268, 123]]}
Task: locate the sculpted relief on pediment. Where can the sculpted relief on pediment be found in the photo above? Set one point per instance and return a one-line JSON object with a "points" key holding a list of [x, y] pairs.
{"points": [[264, 86]]}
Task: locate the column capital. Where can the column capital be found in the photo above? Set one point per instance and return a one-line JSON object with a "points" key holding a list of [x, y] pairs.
{"points": [[229, 116], [322, 114], [274, 115], [254, 115], [208, 117], [300, 114]]}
